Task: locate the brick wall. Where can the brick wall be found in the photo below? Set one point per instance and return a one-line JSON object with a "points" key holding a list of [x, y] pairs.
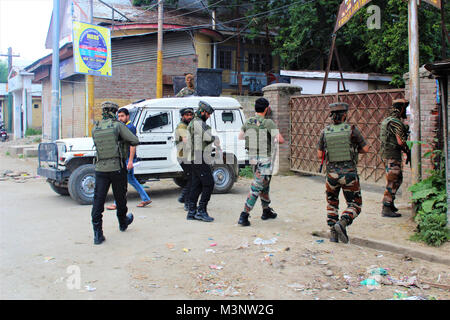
{"points": [[279, 95], [429, 110]]}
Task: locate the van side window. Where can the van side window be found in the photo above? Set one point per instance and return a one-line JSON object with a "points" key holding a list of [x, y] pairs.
{"points": [[157, 121], [228, 120]]}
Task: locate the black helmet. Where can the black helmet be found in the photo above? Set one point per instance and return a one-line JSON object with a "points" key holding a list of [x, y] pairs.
{"points": [[186, 110]]}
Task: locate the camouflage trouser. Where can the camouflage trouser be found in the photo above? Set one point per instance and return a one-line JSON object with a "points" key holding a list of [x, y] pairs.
{"points": [[262, 173], [394, 179], [348, 180]]}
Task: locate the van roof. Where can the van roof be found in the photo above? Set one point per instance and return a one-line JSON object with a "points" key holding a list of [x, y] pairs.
{"points": [[179, 103]]}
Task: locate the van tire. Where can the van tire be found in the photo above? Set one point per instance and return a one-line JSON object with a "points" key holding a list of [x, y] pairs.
{"points": [[82, 184], [224, 178], [180, 181], [59, 190]]}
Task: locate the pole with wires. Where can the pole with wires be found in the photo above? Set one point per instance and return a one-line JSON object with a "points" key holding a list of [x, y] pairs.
{"points": [[159, 67], [55, 71]]}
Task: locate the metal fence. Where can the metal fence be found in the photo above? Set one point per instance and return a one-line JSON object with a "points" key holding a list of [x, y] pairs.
{"points": [[310, 114]]}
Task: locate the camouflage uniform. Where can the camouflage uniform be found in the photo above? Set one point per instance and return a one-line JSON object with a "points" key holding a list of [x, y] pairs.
{"points": [[185, 92], [341, 156], [261, 160], [391, 153]]}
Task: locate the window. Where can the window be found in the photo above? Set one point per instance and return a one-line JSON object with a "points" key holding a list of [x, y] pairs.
{"points": [[227, 117], [225, 60], [228, 120], [259, 62], [36, 106], [157, 121]]}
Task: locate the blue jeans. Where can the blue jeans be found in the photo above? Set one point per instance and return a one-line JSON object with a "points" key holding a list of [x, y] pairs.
{"points": [[136, 185]]}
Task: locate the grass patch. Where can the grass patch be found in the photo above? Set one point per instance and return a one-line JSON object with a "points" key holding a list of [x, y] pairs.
{"points": [[246, 172], [33, 132]]}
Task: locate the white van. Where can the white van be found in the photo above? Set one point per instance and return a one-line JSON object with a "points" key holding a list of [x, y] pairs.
{"points": [[68, 163]]}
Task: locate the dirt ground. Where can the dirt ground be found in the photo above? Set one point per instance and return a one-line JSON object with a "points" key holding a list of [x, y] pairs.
{"points": [[47, 246]]}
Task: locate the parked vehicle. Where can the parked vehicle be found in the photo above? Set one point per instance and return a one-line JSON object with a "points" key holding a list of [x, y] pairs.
{"points": [[68, 164], [3, 133]]}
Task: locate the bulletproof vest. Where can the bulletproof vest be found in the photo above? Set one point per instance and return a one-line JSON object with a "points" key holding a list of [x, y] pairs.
{"points": [[181, 126], [390, 149], [338, 142], [257, 125], [106, 142]]}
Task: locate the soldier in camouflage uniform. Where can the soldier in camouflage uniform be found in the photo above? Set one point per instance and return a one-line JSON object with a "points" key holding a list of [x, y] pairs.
{"points": [[340, 144], [260, 135], [181, 138], [393, 136], [189, 90], [200, 142], [112, 140]]}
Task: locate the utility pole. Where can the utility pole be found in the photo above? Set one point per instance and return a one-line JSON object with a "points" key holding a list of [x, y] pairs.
{"points": [[414, 92], [443, 31], [90, 84], [159, 66], [9, 112], [55, 71], [238, 53], [215, 44]]}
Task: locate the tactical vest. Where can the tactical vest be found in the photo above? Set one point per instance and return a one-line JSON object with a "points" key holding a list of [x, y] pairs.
{"points": [[182, 126], [390, 149], [256, 125], [338, 142], [106, 142]]}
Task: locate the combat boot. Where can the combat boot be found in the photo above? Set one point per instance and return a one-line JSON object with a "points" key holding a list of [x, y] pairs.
{"points": [[181, 198], [202, 214], [128, 220], [186, 206], [243, 219], [340, 228], [98, 233], [333, 235], [192, 211], [388, 212], [268, 213], [393, 207]]}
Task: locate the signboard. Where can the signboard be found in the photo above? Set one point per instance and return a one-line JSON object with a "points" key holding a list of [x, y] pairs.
{"points": [[91, 49], [347, 9], [436, 3]]}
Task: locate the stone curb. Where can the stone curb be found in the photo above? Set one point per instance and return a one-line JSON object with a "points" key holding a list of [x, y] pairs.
{"points": [[385, 246]]}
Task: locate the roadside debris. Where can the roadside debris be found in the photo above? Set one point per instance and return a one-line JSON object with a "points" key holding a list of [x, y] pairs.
{"points": [[89, 288], [215, 267], [265, 242]]}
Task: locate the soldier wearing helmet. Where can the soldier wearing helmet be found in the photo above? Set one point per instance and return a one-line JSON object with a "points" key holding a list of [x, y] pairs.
{"points": [[181, 139], [112, 140], [393, 136], [339, 144], [200, 142]]}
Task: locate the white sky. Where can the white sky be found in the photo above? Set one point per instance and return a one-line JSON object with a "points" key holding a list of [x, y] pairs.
{"points": [[23, 27]]}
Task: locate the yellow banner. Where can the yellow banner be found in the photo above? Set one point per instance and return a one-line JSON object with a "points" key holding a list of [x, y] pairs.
{"points": [[92, 49], [436, 3], [347, 9]]}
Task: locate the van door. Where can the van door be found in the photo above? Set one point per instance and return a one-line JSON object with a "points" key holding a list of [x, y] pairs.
{"points": [[156, 142], [228, 124]]}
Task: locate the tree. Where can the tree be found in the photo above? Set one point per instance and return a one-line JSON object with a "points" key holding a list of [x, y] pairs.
{"points": [[3, 71]]}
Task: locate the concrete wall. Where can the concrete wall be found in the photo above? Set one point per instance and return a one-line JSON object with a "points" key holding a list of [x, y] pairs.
{"points": [[314, 86], [248, 103]]}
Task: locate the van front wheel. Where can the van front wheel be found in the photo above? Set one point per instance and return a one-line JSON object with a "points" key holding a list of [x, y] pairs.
{"points": [[224, 178]]}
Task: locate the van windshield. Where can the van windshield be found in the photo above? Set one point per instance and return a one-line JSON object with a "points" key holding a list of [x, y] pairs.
{"points": [[133, 113]]}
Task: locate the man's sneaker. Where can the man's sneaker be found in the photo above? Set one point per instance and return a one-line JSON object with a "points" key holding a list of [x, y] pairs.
{"points": [[268, 213], [203, 215], [333, 235], [243, 219], [129, 220], [339, 227], [388, 212]]}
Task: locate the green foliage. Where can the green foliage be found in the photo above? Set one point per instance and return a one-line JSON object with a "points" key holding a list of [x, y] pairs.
{"points": [[32, 132], [246, 172], [3, 71], [7, 153], [430, 197]]}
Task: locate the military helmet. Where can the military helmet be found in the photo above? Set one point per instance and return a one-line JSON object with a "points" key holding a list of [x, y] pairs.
{"points": [[186, 110], [399, 103], [338, 106], [109, 106], [204, 106]]}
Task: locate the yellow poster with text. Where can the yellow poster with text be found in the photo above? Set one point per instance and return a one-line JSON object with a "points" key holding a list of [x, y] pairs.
{"points": [[91, 49]]}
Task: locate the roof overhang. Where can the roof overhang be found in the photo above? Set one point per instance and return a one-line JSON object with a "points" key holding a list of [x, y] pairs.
{"points": [[439, 68]]}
